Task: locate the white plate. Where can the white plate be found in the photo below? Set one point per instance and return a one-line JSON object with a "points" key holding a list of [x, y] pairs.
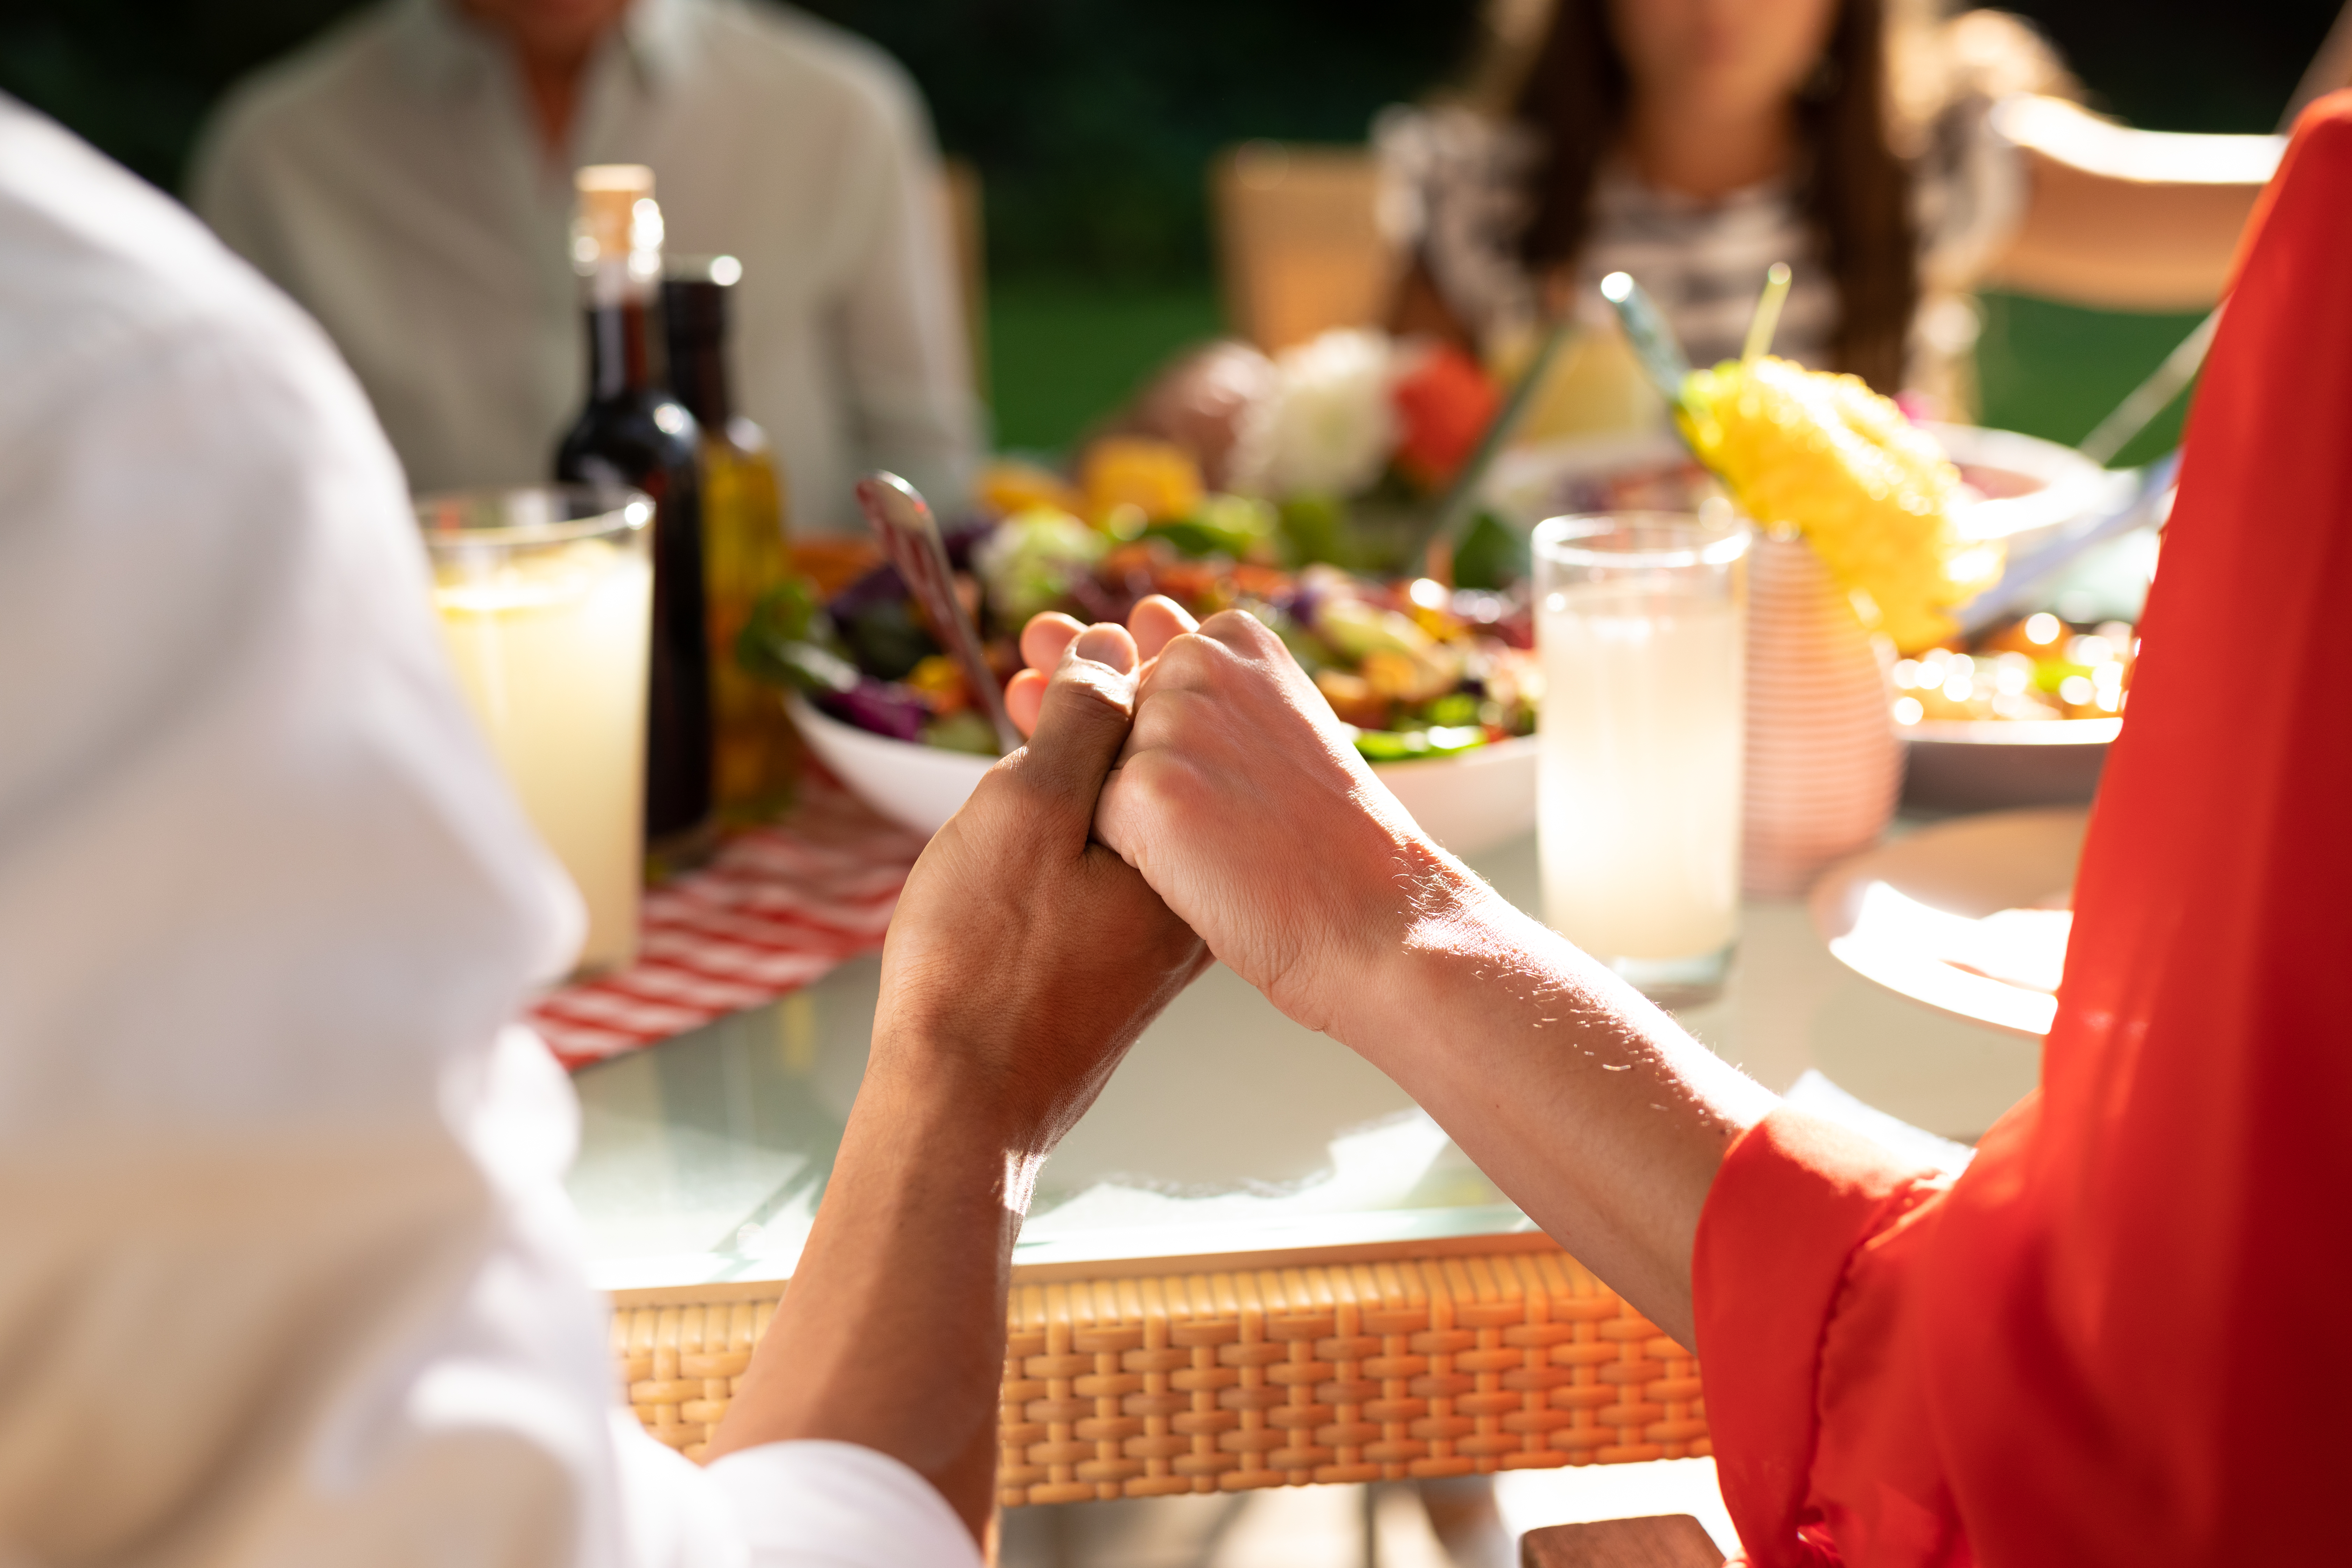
{"points": [[1469, 802], [1966, 916]]}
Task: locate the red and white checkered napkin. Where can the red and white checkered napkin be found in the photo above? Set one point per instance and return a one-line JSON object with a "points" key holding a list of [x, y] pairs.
{"points": [[775, 909]]}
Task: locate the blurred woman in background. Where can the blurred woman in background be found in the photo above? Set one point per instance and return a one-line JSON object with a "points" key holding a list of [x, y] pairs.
{"points": [[1895, 159]]}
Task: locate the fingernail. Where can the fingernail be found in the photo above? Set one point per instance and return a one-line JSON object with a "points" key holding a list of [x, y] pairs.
{"points": [[1106, 645]]}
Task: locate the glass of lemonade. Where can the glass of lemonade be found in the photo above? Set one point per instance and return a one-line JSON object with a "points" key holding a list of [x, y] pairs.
{"points": [[1641, 623], [546, 605]]}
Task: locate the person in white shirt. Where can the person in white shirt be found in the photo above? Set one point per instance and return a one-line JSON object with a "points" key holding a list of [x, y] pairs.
{"points": [[287, 1274], [407, 179]]}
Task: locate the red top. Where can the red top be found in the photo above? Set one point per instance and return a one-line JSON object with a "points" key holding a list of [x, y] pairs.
{"points": [[2110, 1341]]}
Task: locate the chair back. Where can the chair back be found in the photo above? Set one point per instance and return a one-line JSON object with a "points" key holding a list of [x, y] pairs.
{"points": [[962, 226], [1299, 240], [1661, 1541]]}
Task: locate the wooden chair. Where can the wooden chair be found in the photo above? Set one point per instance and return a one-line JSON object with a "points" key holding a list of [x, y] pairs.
{"points": [[961, 223], [1299, 240], [1664, 1541]]}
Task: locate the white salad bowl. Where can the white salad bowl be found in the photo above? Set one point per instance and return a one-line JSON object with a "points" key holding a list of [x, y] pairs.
{"points": [[1468, 802]]}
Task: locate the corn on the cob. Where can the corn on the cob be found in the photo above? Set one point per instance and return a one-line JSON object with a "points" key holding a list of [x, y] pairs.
{"points": [[1873, 493]]}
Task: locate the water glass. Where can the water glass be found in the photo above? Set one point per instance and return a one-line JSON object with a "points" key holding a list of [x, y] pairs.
{"points": [[1640, 624], [545, 597]]}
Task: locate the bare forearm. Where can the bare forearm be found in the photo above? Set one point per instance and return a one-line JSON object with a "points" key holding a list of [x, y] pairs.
{"points": [[892, 1333], [2098, 239], [1589, 1107]]}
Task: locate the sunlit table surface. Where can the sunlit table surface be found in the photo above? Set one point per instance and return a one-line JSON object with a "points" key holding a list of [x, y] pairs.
{"points": [[1230, 1132]]}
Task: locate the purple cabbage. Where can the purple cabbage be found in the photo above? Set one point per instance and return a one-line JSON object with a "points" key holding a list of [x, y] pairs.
{"points": [[882, 586], [881, 708]]}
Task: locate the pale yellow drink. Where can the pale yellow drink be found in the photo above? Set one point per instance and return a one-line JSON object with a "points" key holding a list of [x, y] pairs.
{"points": [[1639, 769], [549, 643]]}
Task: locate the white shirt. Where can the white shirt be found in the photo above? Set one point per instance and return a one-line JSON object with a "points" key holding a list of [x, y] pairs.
{"points": [[390, 178], [286, 1273]]}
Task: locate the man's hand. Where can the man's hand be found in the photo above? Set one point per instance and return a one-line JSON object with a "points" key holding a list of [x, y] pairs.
{"points": [[1024, 958], [1240, 799]]}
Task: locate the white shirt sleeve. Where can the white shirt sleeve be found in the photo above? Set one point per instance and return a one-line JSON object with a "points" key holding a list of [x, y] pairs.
{"points": [[786, 1505], [287, 1275]]}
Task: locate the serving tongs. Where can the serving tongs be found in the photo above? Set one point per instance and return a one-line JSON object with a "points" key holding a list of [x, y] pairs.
{"points": [[910, 536]]}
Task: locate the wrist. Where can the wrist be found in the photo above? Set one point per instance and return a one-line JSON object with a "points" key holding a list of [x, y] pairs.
{"points": [[1428, 915], [935, 1091]]}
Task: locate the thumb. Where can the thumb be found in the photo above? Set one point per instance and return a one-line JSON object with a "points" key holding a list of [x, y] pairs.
{"points": [[1082, 723]]}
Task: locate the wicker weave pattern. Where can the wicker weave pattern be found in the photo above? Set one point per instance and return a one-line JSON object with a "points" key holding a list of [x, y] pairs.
{"points": [[682, 1365], [1198, 1383]]}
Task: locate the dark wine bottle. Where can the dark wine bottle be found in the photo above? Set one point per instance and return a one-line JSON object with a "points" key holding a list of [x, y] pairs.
{"points": [[756, 756], [633, 431]]}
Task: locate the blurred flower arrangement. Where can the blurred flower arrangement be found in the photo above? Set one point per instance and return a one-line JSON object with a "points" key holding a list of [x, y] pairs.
{"points": [[1351, 439]]}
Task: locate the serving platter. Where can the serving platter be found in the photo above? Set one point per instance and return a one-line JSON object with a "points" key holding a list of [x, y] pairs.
{"points": [[1978, 765], [1968, 917]]}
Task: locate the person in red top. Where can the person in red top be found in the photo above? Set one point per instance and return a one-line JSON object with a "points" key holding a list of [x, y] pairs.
{"points": [[2091, 1346], [2086, 1350]]}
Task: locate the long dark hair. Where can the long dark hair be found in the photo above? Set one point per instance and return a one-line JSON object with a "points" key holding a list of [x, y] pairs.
{"points": [[1855, 193]]}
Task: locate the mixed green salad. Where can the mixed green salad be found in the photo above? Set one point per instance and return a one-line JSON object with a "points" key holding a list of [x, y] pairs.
{"points": [[1416, 668]]}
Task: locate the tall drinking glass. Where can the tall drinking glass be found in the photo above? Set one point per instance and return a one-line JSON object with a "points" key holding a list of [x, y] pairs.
{"points": [[546, 604], [1640, 624]]}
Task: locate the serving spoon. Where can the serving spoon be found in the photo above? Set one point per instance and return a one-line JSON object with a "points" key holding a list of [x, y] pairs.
{"points": [[902, 520]]}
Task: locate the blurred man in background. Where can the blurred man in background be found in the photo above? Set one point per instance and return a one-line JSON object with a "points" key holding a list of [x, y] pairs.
{"points": [[408, 180]]}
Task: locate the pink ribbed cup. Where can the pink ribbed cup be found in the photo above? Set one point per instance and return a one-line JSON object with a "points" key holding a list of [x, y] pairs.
{"points": [[1823, 763]]}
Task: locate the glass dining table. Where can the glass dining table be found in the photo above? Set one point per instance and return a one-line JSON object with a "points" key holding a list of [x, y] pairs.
{"points": [[1228, 1130], [1256, 1262]]}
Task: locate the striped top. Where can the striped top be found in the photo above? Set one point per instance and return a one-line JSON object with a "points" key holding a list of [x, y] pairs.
{"points": [[1456, 193]]}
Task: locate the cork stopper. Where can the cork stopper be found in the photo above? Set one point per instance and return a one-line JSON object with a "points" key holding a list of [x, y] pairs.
{"points": [[617, 217]]}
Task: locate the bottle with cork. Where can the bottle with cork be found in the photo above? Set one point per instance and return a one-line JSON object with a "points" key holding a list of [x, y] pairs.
{"points": [[755, 754], [634, 431]]}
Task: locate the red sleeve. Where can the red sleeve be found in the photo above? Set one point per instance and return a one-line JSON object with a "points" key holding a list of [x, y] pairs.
{"points": [[2092, 1348], [1796, 1202]]}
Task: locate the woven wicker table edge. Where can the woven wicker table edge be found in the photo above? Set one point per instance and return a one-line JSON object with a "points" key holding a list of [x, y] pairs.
{"points": [[1150, 1377]]}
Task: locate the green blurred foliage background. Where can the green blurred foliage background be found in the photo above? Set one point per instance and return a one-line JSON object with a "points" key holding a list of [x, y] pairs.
{"points": [[1091, 124]]}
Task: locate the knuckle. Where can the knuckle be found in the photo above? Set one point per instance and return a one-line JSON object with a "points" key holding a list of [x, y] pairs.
{"points": [[1089, 694], [1185, 659], [1169, 780], [1239, 626]]}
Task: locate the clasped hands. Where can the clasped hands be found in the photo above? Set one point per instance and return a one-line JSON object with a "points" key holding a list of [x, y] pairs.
{"points": [[1186, 793]]}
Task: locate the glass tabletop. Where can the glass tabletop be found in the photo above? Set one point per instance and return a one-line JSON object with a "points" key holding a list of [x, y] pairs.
{"points": [[1228, 1131]]}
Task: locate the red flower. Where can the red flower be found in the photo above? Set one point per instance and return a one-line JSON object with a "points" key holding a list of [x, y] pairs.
{"points": [[1444, 404]]}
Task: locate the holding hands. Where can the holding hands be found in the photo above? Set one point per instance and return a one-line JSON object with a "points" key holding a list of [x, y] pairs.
{"points": [[1186, 778], [1025, 956], [1240, 799]]}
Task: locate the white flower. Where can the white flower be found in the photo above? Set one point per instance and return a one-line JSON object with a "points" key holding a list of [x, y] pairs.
{"points": [[1330, 426]]}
